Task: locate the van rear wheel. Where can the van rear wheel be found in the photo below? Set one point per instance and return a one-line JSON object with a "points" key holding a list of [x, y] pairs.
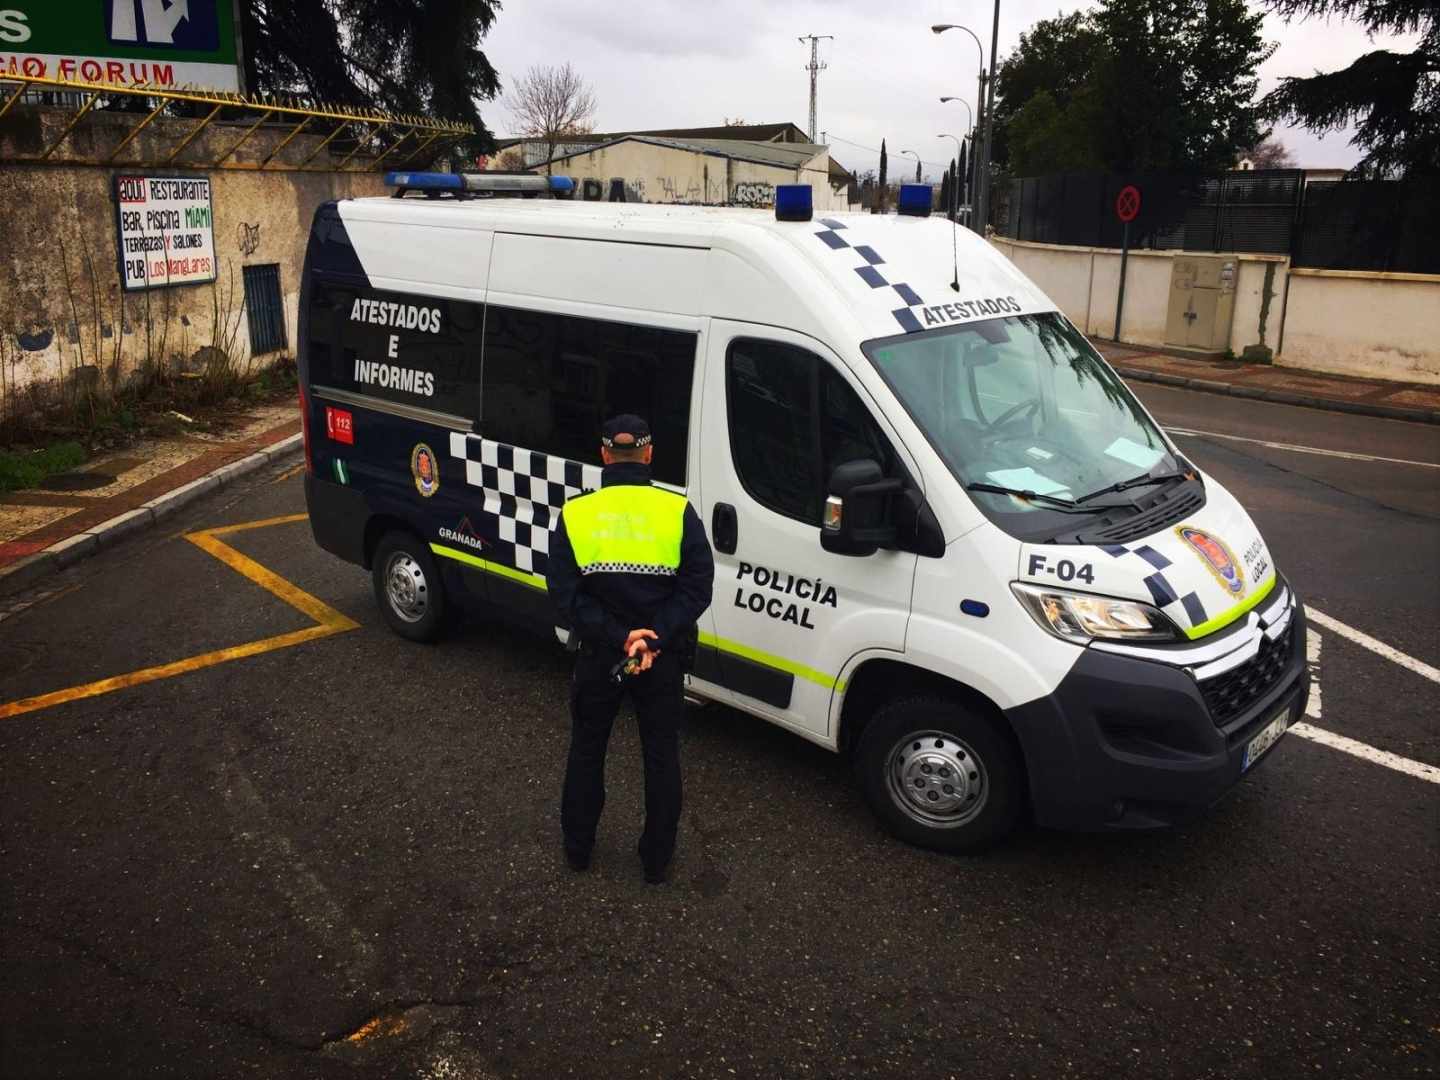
{"points": [[938, 774], [408, 587]]}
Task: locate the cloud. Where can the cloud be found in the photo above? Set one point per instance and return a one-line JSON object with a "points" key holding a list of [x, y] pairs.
{"points": [[662, 63]]}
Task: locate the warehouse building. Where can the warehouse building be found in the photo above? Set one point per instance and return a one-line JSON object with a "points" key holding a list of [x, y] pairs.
{"points": [[724, 166]]}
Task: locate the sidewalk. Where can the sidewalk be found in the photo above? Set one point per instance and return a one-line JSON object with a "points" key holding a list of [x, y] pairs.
{"points": [[42, 529], [1288, 386]]}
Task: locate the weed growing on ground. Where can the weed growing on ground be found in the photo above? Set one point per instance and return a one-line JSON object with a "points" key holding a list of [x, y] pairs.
{"points": [[21, 469]]}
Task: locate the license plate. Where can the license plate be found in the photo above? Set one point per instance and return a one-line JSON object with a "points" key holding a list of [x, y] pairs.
{"points": [[1267, 738]]}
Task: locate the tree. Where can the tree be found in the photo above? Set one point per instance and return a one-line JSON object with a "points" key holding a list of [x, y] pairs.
{"points": [[945, 181], [1135, 84], [383, 55], [1057, 56], [884, 167], [1393, 98], [1269, 153], [550, 103], [737, 122], [511, 159]]}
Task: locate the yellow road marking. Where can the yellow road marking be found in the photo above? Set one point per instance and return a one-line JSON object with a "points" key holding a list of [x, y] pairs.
{"points": [[288, 473], [328, 621]]}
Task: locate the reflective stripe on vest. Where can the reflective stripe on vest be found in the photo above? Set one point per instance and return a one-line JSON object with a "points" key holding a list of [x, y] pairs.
{"points": [[626, 529]]}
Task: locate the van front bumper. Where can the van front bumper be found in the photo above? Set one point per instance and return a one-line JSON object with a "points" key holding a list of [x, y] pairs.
{"points": [[1127, 742]]}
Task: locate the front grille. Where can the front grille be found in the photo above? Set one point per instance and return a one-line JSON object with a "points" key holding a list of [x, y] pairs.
{"points": [[1230, 694]]}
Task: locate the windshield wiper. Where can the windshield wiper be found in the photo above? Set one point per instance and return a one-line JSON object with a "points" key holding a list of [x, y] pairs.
{"points": [[1065, 506], [1135, 481]]}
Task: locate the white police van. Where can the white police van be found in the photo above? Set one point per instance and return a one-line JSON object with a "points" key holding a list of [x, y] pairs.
{"points": [[949, 541]]}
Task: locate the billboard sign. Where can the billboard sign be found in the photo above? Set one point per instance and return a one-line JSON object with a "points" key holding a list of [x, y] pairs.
{"points": [[166, 231], [166, 44]]}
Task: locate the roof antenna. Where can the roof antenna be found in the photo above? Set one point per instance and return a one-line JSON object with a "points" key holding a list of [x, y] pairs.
{"points": [[955, 256], [954, 226]]}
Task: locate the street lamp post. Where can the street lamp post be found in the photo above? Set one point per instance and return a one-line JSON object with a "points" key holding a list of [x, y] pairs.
{"points": [[917, 163], [983, 114], [970, 135]]}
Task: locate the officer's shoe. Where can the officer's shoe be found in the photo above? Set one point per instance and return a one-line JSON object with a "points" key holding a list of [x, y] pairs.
{"points": [[577, 861], [654, 877]]}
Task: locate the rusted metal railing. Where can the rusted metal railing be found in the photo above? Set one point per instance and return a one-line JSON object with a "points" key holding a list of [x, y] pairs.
{"points": [[376, 136]]}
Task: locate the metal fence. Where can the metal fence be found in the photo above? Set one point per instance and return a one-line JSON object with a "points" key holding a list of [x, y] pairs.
{"points": [[1234, 211], [1388, 225]]}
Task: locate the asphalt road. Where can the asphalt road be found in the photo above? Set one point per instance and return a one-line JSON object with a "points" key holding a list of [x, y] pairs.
{"points": [[340, 858]]}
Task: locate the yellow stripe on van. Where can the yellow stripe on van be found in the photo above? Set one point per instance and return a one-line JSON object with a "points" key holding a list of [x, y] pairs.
{"points": [[829, 682], [1209, 626], [535, 581]]}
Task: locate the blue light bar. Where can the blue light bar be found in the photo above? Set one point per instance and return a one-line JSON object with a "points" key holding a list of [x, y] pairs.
{"points": [[424, 181], [562, 183], [916, 200], [793, 202]]}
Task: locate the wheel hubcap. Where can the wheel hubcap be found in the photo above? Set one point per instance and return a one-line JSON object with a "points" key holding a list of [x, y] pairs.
{"points": [[406, 588], [936, 779]]}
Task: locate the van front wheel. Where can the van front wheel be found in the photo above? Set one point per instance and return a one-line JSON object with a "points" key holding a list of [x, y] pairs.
{"points": [[939, 775], [408, 587]]}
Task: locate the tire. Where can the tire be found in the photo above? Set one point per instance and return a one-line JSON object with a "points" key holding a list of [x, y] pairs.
{"points": [[408, 587], [939, 775]]}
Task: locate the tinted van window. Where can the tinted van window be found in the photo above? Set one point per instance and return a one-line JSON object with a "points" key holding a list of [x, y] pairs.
{"points": [[413, 350], [793, 419], [551, 381]]}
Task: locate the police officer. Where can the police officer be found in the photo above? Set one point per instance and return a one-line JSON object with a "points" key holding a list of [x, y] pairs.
{"points": [[630, 572]]}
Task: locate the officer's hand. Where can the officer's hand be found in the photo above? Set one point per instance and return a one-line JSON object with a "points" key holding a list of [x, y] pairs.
{"points": [[638, 636], [637, 647]]}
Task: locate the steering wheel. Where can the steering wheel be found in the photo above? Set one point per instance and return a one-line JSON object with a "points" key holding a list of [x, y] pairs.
{"points": [[1029, 407]]}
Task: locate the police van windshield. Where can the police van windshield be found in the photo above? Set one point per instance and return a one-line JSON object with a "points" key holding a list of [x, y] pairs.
{"points": [[1024, 403]]}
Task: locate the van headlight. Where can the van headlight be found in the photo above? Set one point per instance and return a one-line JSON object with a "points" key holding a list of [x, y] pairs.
{"points": [[1082, 617]]}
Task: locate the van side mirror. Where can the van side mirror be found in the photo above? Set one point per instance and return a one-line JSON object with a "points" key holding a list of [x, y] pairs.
{"points": [[858, 516]]}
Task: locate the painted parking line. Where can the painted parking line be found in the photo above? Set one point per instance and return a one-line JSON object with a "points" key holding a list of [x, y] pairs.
{"points": [[1343, 743], [1379, 648], [288, 473], [328, 621], [1347, 454]]}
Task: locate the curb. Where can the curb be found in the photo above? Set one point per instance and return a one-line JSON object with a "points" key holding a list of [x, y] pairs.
{"points": [[1281, 397], [25, 572]]}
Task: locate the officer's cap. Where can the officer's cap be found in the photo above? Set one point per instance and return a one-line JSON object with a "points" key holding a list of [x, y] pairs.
{"points": [[625, 432]]}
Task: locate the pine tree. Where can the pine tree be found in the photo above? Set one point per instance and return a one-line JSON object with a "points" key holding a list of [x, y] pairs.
{"points": [[945, 190], [884, 168], [1394, 98], [390, 55]]}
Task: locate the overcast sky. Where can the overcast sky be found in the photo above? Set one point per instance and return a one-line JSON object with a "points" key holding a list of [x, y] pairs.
{"points": [[661, 63]]}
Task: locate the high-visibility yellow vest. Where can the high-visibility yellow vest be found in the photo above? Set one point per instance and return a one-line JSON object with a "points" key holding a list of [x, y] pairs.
{"points": [[626, 529]]}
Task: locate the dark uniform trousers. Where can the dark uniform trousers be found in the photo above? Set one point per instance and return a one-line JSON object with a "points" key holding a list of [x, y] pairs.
{"points": [[595, 699]]}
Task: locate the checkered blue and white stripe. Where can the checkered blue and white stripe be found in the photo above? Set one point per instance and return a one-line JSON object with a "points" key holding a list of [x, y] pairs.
{"points": [[868, 272], [523, 493], [1161, 590]]}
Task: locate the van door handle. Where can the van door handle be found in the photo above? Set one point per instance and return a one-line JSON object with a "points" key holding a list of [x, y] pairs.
{"points": [[724, 528]]}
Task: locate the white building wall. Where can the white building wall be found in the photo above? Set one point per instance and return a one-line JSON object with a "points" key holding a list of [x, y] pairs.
{"points": [[1349, 322], [664, 174]]}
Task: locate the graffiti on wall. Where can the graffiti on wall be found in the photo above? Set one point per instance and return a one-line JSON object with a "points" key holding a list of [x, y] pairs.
{"points": [[753, 193], [249, 239], [674, 193]]}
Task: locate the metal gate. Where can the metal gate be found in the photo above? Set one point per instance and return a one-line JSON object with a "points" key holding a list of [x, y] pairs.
{"points": [[265, 309]]}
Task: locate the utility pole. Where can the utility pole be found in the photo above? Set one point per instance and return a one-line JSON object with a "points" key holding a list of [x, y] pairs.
{"points": [[984, 162], [814, 67]]}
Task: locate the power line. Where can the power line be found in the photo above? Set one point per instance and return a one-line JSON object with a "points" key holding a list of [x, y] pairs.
{"points": [[814, 67], [874, 150]]}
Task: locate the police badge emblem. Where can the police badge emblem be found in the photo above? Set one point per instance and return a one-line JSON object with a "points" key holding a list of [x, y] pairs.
{"points": [[425, 469], [1217, 556]]}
